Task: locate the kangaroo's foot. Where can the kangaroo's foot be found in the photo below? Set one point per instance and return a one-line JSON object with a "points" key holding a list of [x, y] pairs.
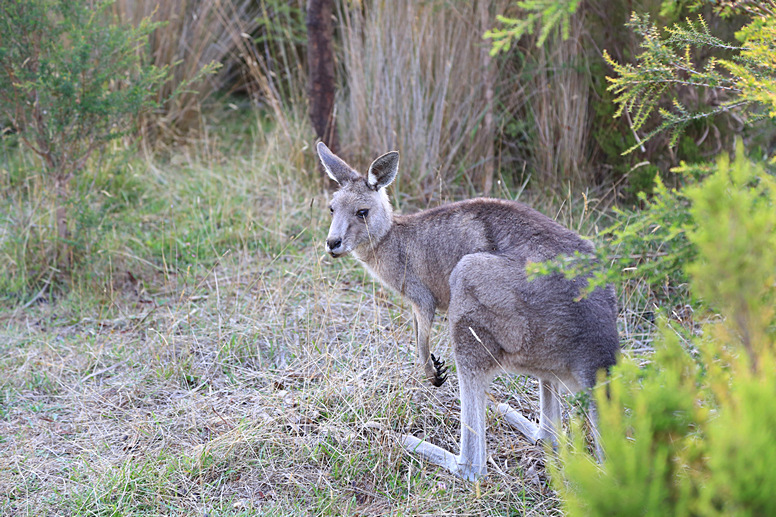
{"points": [[528, 428], [442, 458], [440, 372]]}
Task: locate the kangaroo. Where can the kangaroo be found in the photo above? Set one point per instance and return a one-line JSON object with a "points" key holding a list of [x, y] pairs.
{"points": [[469, 258]]}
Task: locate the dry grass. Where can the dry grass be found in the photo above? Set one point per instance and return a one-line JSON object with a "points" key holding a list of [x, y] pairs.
{"points": [[274, 380], [194, 34], [558, 104], [262, 394], [414, 80]]}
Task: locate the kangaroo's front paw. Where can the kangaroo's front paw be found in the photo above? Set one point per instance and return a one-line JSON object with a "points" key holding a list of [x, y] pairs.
{"points": [[440, 372]]}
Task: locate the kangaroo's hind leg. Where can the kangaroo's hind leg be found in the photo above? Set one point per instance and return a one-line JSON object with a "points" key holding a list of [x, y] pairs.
{"points": [[476, 360], [470, 464], [549, 416]]}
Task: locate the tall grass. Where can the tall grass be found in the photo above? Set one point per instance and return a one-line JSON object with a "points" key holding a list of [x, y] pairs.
{"points": [[413, 80], [557, 102], [194, 34], [273, 64], [414, 76]]}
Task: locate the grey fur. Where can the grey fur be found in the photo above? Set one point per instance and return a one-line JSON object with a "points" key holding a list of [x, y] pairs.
{"points": [[469, 259]]}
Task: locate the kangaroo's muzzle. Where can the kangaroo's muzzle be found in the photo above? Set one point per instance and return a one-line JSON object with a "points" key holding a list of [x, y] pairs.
{"points": [[334, 247]]}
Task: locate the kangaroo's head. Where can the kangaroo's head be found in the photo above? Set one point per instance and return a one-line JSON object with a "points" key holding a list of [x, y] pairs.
{"points": [[360, 210]]}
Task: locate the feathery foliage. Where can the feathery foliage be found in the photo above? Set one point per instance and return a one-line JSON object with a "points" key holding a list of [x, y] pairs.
{"points": [[647, 245], [744, 75], [546, 14], [693, 432]]}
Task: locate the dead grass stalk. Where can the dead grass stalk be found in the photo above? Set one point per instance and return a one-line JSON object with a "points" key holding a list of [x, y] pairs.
{"points": [[195, 33], [415, 82]]}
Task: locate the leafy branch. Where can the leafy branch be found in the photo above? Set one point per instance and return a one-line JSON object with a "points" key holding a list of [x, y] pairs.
{"points": [[748, 80], [546, 14]]}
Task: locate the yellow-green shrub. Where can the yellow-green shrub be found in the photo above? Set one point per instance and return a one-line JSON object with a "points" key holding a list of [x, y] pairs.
{"points": [[694, 432]]}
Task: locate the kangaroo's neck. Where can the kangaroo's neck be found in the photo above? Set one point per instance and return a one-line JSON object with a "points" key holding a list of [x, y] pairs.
{"points": [[372, 253], [396, 259]]}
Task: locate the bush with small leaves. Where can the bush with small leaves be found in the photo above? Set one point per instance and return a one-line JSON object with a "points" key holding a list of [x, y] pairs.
{"points": [[742, 74], [72, 79], [694, 432]]}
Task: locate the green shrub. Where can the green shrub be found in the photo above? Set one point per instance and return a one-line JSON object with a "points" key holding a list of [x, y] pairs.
{"points": [[693, 432], [650, 244], [70, 81], [741, 75]]}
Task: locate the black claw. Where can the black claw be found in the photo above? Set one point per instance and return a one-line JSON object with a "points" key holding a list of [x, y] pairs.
{"points": [[441, 371], [438, 381]]}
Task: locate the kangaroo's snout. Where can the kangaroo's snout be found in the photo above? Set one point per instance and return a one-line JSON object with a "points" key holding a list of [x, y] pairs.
{"points": [[332, 245]]}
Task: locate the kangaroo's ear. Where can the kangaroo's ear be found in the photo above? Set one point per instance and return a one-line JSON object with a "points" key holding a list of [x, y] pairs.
{"points": [[335, 166], [383, 170]]}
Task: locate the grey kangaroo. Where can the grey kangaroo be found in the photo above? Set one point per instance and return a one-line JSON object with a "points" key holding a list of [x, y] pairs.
{"points": [[469, 258]]}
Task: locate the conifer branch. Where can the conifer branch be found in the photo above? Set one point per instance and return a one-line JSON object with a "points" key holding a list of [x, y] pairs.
{"points": [[665, 62]]}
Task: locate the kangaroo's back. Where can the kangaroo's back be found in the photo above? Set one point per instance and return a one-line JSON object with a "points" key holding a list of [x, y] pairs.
{"points": [[424, 248], [494, 226]]}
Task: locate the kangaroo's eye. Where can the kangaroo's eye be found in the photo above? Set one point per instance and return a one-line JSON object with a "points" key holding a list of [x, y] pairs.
{"points": [[331, 209], [362, 213]]}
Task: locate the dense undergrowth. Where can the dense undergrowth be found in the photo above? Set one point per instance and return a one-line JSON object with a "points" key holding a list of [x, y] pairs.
{"points": [[691, 433]]}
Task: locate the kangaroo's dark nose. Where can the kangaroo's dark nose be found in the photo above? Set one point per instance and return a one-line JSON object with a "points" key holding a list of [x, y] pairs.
{"points": [[333, 244]]}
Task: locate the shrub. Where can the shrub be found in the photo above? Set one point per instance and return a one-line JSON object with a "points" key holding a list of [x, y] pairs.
{"points": [[70, 81], [744, 82], [693, 432], [650, 244]]}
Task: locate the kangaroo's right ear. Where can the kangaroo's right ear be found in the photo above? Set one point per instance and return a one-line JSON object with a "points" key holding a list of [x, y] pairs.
{"points": [[335, 166], [383, 171]]}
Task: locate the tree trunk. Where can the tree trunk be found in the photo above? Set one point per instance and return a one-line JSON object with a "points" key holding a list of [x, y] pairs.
{"points": [[63, 247], [320, 57]]}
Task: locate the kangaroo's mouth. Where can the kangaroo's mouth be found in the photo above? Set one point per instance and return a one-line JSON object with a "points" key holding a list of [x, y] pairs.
{"points": [[335, 255]]}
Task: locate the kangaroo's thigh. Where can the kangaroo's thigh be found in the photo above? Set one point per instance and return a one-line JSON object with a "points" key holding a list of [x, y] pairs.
{"points": [[486, 304], [485, 280]]}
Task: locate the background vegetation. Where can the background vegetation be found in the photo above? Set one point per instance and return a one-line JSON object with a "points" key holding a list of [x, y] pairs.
{"points": [[198, 352]]}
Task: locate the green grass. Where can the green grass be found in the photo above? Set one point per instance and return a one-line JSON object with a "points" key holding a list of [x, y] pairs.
{"points": [[210, 358]]}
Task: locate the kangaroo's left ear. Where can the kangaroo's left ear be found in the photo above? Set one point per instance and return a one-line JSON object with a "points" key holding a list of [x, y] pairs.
{"points": [[335, 166], [383, 171]]}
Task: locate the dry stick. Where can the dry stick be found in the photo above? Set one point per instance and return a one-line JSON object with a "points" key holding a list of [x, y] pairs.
{"points": [[46, 285], [104, 370], [230, 426]]}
